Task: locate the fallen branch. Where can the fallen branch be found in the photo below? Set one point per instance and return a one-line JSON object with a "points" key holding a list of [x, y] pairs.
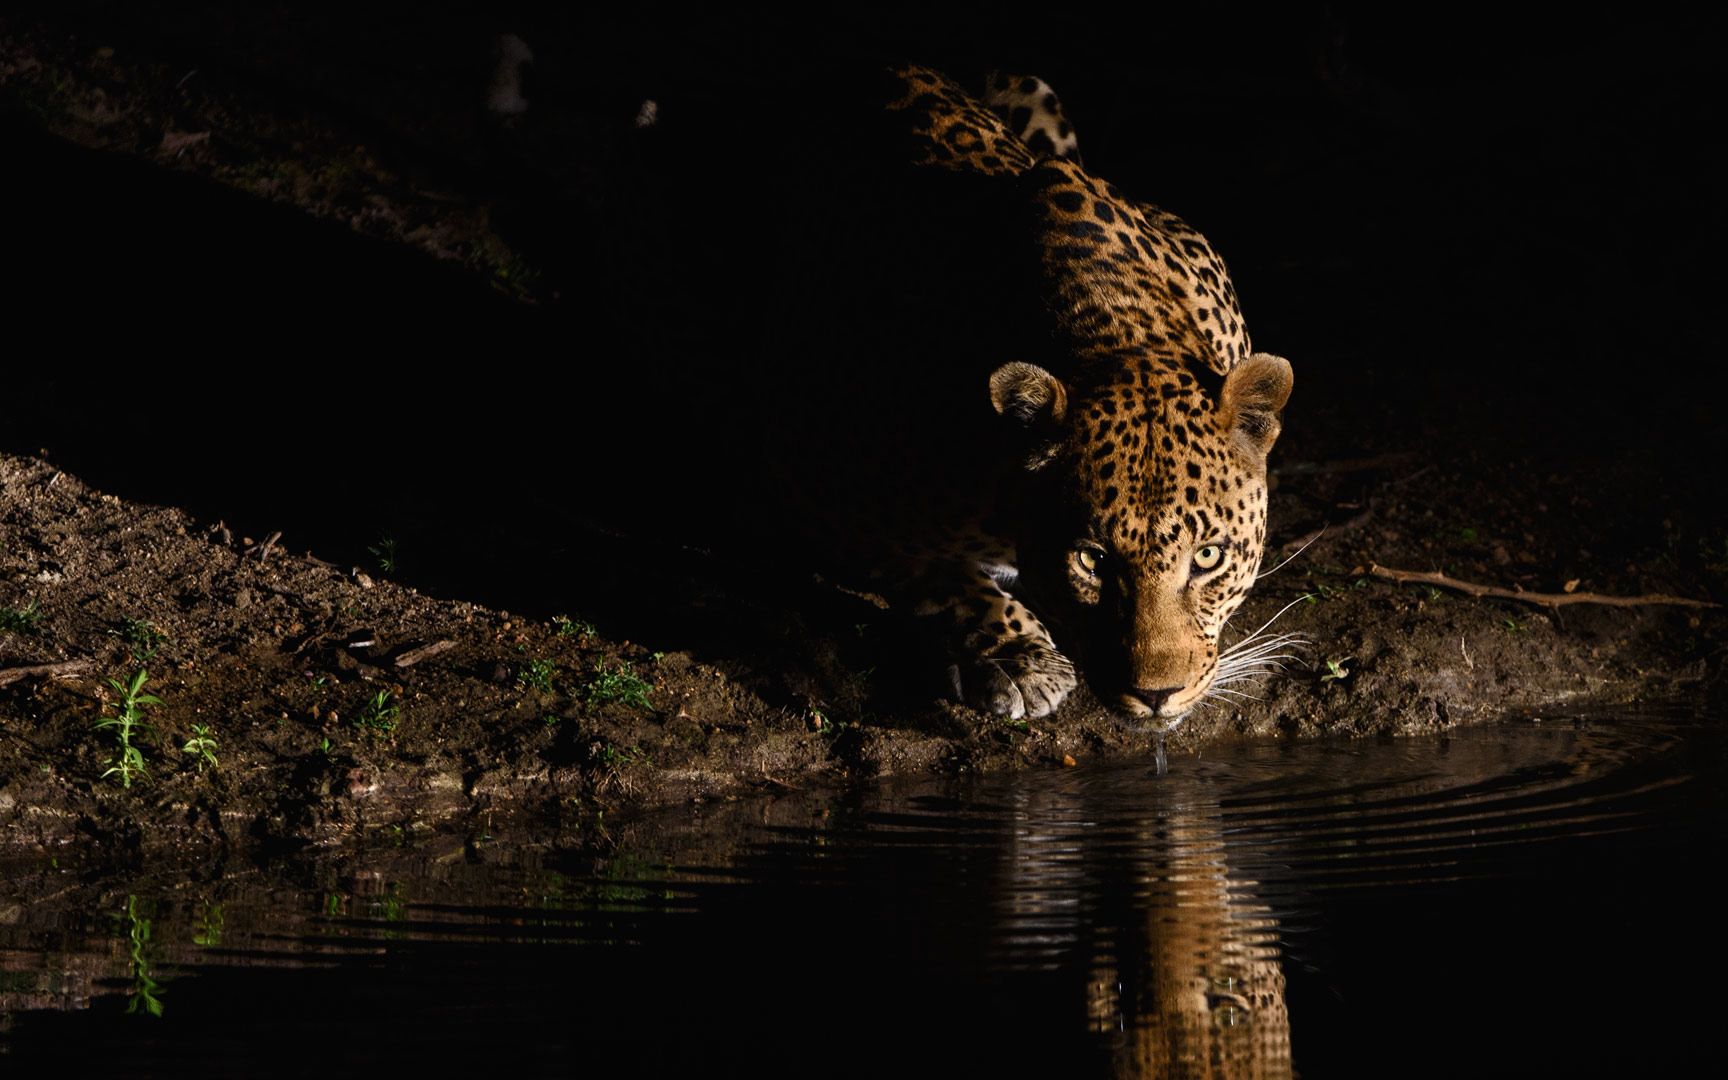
{"points": [[424, 652], [269, 545], [1441, 581], [65, 669]]}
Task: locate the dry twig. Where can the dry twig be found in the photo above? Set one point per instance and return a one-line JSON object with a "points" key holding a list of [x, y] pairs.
{"points": [[269, 545], [65, 669], [1441, 581], [424, 652]]}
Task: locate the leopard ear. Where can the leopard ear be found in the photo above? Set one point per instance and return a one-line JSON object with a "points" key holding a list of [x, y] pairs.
{"points": [[1254, 394], [1029, 394]]}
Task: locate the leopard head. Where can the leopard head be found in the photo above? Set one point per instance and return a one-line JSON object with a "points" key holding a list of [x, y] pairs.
{"points": [[1145, 516]]}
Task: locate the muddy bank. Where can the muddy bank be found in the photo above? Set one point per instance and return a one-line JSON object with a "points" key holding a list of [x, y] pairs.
{"points": [[341, 703]]}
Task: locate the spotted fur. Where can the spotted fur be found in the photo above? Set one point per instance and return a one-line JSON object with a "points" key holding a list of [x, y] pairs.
{"points": [[1032, 113], [951, 129], [1125, 515]]}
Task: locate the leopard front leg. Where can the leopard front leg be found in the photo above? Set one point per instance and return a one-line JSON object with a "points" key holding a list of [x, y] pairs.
{"points": [[1003, 659]]}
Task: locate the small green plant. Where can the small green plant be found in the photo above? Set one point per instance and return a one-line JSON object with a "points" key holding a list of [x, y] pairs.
{"points": [[1512, 625], [324, 745], [145, 990], [202, 747], [378, 715], [207, 931], [616, 757], [823, 724], [551, 719], [1467, 534], [127, 723], [385, 552], [573, 628], [142, 640], [620, 684], [1335, 669], [1327, 591], [392, 906], [537, 675], [22, 620]]}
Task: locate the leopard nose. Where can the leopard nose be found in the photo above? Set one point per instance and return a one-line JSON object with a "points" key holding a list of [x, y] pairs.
{"points": [[1155, 699]]}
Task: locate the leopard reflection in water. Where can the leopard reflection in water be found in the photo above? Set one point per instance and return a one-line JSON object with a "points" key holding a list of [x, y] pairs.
{"points": [[1181, 967]]}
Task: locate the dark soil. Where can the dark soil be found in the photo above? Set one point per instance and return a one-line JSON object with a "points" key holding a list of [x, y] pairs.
{"points": [[1477, 391]]}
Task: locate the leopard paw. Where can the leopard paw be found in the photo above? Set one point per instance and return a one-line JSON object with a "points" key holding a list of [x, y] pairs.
{"points": [[1021, 682]]}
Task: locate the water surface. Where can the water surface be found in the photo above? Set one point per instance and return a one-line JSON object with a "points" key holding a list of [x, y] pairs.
{"points": [[1528, 898]]}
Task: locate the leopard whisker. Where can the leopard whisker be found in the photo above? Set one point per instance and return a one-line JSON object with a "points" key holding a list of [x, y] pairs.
{"points": [[1250, 663], [1232, 663], [1280, 614], [1306, 544], [1233, 693], [1239, 679], [1237, 673], [1274, 647], [1269, 647]]}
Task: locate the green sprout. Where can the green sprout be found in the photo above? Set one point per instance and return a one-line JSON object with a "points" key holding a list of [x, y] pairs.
{"points": [[378, 715], [22, 620], [127, 722], [385, 552], [620, 684], [616, 757], [207, 931], [202, 747], [142, 640], [573, 628], [1335, 669], [145, 990], [537, 675]]}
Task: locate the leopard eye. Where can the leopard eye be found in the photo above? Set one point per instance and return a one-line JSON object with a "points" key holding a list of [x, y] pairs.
{"points": [[1088, 560], [1208, 557]]}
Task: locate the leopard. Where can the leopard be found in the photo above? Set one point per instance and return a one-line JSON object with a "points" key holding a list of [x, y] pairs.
{"points": [[1082, 495]]}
